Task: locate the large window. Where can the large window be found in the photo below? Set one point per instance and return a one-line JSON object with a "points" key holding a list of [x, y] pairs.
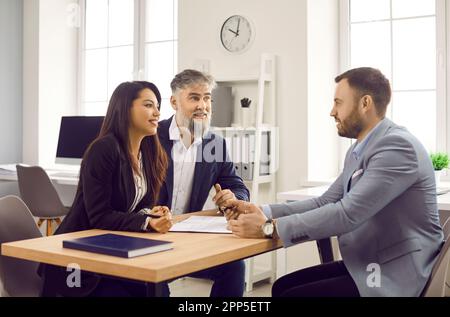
{"points": [[401, 38], [161, 39], [127, 40]]}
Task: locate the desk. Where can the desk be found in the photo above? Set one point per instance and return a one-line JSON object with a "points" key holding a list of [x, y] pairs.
{"points": [[7, 174], [65, 186], [324, 245], [192, 252]]}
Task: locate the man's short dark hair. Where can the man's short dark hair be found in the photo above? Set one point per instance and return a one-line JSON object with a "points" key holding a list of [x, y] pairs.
{"points": [[369, 81]]}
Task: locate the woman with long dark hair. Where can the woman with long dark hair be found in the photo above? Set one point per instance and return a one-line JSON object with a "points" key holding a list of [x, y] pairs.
{"points": [[120, 177]]}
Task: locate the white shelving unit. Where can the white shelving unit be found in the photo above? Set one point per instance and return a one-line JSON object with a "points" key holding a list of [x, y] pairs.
{"points": [[265, 121]]}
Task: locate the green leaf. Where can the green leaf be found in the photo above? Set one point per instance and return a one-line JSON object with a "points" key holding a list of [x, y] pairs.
{"points": [[440, 160]]}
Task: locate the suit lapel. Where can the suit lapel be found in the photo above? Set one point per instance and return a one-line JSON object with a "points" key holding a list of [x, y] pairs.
{"points": [[381, 131], [353, 164], [128, 181], [167, 144]]}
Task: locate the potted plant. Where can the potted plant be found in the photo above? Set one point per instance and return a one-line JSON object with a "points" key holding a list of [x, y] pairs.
{"points": [[440, 161]]}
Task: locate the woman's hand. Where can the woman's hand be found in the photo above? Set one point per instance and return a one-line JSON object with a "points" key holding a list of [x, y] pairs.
{"points": [[160, 211], [161, 219], [161, 225]]}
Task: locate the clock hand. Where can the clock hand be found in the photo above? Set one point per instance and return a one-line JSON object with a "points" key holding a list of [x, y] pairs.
{"points": [[237, 30], [236, 34]]}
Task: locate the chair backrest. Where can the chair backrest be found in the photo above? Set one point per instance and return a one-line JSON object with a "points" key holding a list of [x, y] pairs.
{"points": [[19, 277], [436, 284], [38, 193]]}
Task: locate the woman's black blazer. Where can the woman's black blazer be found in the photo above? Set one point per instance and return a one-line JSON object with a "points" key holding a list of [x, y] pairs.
{"points": [[105, 192]]}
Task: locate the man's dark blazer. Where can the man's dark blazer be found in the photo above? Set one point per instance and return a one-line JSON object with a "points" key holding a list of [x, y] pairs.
{"points": [[207, 172]]}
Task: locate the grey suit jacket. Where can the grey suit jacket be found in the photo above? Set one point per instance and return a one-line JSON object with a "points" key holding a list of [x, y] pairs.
{"points": [[382, 208]]}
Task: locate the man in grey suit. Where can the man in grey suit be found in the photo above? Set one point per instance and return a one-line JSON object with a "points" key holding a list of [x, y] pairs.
{"points": [[382, 206]]}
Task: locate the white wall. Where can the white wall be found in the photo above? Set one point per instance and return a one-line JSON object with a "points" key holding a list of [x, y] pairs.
{"points": [[323, 60], [31, 81], [280, 29], [304, 36], [50, 76], [11, 21]]}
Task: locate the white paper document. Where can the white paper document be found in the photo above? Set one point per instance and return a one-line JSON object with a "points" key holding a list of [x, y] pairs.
{"points": [[208, 224]]}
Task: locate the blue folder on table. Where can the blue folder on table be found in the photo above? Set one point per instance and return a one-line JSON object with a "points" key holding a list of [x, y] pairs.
{"points": [[118, 245]]}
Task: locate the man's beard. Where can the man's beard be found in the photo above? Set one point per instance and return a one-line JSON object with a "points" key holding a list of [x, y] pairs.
{"points": [[197, 128], [352, 126]]}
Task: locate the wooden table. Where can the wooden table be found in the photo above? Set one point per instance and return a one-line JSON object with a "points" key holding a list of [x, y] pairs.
{"points": [[191, 252]]}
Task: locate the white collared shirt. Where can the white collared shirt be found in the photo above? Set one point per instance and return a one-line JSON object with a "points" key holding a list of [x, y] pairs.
{"points": [[140, 184], [183, 169], [360, 146]]}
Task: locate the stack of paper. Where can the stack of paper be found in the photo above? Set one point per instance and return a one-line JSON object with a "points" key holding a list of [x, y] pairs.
{"points": [[210, 224]]}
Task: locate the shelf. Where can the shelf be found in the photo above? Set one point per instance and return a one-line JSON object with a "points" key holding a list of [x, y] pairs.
{"points": [[258, 274], [264, 128], [264, 179], [262, 273], [244, 79], [237, 79]]}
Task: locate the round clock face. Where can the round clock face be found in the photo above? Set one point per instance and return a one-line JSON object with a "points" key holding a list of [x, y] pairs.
{"points": [[236, 33]]}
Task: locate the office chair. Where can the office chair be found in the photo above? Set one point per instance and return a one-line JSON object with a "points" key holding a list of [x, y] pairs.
{"points": [[437, 282], [38, 193], [19, 277]]}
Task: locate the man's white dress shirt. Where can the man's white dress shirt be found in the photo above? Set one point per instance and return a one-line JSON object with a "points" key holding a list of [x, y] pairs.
{"points": [[183, 169]]}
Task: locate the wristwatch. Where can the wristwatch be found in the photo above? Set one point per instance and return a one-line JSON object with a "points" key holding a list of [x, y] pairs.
{"points": [[268, 228]]}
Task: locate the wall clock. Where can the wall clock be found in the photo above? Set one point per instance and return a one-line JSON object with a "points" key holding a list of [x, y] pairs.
{"points": [[236, 34]]}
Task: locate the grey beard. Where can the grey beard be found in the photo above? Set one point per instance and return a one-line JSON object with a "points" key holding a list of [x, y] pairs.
{"points": [[199, 128], [193, 128]]}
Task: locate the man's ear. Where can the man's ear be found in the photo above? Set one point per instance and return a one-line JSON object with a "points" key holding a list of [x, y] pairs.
{"points": [[367, 102], [173, 103]]}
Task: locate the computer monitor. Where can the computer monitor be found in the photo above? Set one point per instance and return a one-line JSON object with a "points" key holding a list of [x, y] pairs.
{"points": [[75, 135]]}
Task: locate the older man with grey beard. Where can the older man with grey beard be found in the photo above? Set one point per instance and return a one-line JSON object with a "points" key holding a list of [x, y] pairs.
{"points": [[198, 160]]}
